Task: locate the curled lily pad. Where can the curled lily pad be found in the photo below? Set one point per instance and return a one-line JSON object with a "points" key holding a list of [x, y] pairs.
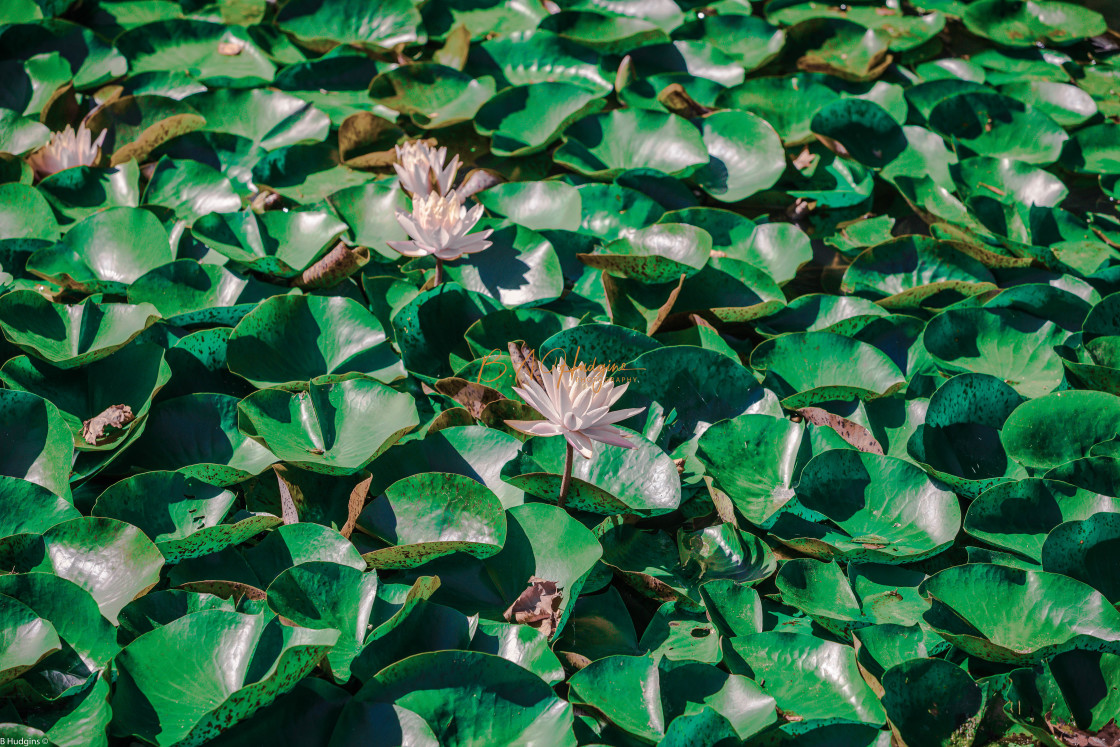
{"points": [[40, 447], [182, 44], [197, 435], [137, 125], [878, 508], [986, 610], [105, 252], [615, 480], [459, 515], [656, 254], [275, 243], [186, 293], [910, 269], [812, 679], [813, 367], [444, 688], [321, 26], [220, 693], [271, 119], [288, 340], [1024, 24], [334, 428], [83, 394], [1018, 516], [990, 124], [183, 516], [520, 268], [27, 639], [71, 336], [528, 57], [607, 33], [968, 340], [526, 119], [1082, 549], [745, 153], [1060, 427], [30, 508], [433, 95], [959, 443], [605, 145]]}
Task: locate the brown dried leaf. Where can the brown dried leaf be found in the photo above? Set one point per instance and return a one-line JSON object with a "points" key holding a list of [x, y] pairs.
{"points": [[338, 264], [853, 433], [454, 51], [538, 606], [471, 395], [288, 510], [357, 502], [725, 509], [231, 47], [365, 141], [476, 181], [525, 362], [676, 99], [1071, 735], [100, 428]]}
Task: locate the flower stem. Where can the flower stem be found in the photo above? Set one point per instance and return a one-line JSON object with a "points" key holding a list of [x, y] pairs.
{"points": [[566, 482], [439, 272]]}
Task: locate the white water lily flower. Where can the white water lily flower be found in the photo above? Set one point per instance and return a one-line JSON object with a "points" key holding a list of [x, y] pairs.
{"points": [[439, 225], [576, 403], [421, 169], [67, 149]]}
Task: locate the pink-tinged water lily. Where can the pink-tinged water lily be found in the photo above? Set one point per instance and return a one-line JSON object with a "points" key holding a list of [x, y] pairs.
{"points": [[421, 169], [439, 225], [576, 403], [66, 150]]}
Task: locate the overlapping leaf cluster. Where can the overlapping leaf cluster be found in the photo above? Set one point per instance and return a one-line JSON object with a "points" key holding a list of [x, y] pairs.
{"points": [[858, 263]]}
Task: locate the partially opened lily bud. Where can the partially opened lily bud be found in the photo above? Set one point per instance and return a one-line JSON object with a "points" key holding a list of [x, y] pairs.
{"points": [[576, 404], [439, 225], [421, 169], [66, 150]]}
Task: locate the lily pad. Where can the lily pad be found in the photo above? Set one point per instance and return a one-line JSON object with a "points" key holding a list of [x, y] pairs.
{"points": [[526, 119], [327, 428], [288, 340], [71, 336], [604, 145], [432, 95]]}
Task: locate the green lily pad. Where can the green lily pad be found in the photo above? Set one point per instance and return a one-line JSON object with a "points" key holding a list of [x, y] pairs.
{"points": [[321, 26], [105, 252], [27, 639], [1060, 427], [605, 145], [878, 508], [745, 153], [520, 267], [197, 435], [528, 57], [25, 213], [192, 45], [29, 508], [275, 243], [82, 394], [137, 125], [929, 701], [749, 41], [615, 480], [71, 336], [991, 125], [812, 679], [1082, 549], [812, 367], [40, 447], [444, 689], [1018, 516], [842, 48], [959, 443], [270, 119], [610, 34], [110, 559], [288, 340], [460, 515], [1024, 23], [80, 191], [151, 699], [657, 254], [986, 610], [1013, 346], [433, 95], [911, 265], [187, 293], [183, 516], [522, 120], [328, 596], [327, 428]]}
